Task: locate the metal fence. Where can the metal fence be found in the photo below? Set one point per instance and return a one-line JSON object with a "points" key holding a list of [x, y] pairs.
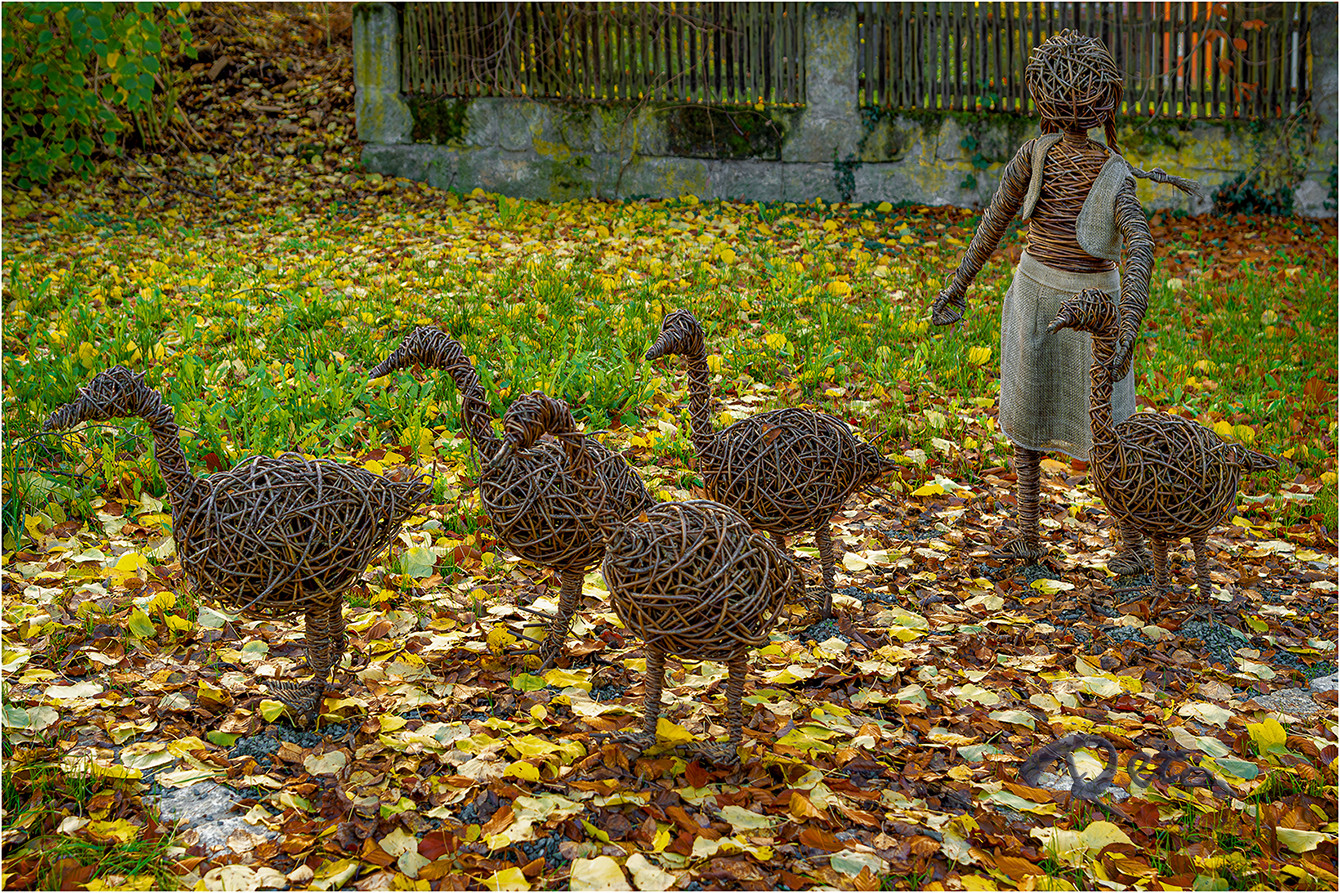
{"points": [[727, 53], [1181, 60]]}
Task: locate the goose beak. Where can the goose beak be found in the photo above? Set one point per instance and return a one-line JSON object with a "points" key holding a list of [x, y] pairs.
{"points": [[1063, 320]]}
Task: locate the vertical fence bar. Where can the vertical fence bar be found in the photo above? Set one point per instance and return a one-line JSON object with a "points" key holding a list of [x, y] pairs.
{"points": [[727, 28], [1279, 102], [442, 26], [1197, 63], [922, 63], [991, 32], [1271, 59], [606, 89], [681, 82], [1238, 108], [944, 55], [691, 62], [965, 38], [646, 29], [590, 74], [913, 56], [777, 51], [774, 30], [723, 21]]}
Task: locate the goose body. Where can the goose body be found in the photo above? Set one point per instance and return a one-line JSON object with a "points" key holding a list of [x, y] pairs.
{"points": [[785, 471], [689, 578], [271, 536], [1163, 475], [535, 507]]}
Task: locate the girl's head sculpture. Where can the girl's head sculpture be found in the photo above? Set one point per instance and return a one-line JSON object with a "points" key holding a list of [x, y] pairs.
{"points": [[1075, 84]]}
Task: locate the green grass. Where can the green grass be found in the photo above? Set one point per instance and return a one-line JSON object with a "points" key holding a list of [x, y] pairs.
{"points": [[40, 791], [260, 337]]}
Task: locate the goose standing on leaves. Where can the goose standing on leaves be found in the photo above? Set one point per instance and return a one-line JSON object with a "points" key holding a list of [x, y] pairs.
{"points": [[535, 507], [271, 536], [785, 471], [690, 578], [1159, 473]]}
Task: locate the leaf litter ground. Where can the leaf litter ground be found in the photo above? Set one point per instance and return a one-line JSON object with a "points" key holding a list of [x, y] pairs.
{"points": [[886, 748]]}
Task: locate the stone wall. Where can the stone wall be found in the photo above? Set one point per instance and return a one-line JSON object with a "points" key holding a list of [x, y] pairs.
{"points": [[829, 149]]}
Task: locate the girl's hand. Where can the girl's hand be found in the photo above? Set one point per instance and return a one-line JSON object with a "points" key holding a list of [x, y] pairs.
{"points": [[1121, 360], [948, 307]]}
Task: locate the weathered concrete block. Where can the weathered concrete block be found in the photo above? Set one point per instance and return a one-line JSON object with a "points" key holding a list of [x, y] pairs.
{"points": [[444, 168], [664, 177], [520, 123], [573, 127], [806, 182], [919, 184], [949, 141], [1313, 198], [754, 181], [889, 139], [392, 162], [651, 132], [481, 123], [381, 113]]}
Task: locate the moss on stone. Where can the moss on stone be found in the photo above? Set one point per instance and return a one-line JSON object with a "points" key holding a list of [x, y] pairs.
{"points": [[716, 132], [437, 121]]}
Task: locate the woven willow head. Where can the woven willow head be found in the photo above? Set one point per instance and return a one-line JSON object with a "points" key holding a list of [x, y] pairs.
{"points": [[1074, 83], [114, 393]]}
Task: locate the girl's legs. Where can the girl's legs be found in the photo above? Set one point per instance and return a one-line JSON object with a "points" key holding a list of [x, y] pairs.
{"points": [[1027, 469]]}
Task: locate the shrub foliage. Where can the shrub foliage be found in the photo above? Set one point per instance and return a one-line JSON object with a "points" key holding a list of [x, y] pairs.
{"points": [[82, 79]]}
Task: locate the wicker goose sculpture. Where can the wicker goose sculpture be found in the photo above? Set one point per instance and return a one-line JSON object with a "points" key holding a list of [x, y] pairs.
{"points": [[534, 506], [271, 536], [689, 578], [786, 470], [1162, 474]]}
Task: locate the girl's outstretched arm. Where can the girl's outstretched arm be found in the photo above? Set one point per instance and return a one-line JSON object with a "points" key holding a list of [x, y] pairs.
{"points": [[1134, 275], [1009, 197]]}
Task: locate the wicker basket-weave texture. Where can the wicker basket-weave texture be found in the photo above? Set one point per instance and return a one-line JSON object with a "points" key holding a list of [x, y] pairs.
{"points": [[271, 536], [785, 471], [1159, 473], [535, 506]]}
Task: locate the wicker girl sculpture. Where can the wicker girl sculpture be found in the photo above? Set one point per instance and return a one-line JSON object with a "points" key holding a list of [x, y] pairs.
{"points": [[269, 537], [1078, 198]]}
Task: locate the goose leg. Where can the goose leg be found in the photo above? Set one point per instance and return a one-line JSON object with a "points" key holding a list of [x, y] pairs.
{"points": [[328, 657], [1134, 557], [651, 707], [824, 540], [570, 592], [1027, 469], [738, 668], [1205, 607], [1161, 576], [324, 633]]}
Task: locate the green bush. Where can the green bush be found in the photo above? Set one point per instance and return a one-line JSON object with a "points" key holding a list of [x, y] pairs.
{"points": [[80, 77]]}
